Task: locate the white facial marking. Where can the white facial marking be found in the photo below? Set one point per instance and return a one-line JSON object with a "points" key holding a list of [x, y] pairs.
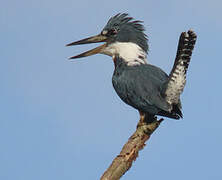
{"points": [[130, 52]]}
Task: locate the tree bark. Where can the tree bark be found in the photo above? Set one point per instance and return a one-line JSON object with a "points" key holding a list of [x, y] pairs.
{"points": [[130, 150]]}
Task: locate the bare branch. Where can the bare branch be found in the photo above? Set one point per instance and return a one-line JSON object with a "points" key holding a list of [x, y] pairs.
{"points": [[130, 150]]}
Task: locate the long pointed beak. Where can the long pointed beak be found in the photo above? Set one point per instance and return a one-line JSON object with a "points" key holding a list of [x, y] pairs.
{"points": [[93, 39]]}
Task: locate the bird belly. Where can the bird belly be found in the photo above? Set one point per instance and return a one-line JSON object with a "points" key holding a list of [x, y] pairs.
{"points": [[136, 92]]}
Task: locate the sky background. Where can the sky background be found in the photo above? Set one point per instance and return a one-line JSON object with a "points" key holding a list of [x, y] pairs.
{"points": [[62, 120]]}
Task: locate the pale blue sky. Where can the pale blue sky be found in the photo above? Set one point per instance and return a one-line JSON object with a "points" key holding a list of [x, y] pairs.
{"points": [[62, 120]]}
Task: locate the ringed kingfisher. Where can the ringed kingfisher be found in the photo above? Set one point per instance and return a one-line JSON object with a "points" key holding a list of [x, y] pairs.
{"points": [[139, 84]]}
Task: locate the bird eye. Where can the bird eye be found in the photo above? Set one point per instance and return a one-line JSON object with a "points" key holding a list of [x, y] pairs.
{"points": [[112, 32]]}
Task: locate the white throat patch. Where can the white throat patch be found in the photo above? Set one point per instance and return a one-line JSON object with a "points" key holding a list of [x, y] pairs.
{"points": [[130, 52]]}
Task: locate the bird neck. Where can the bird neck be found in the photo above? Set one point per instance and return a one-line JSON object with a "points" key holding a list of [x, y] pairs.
{"points": [[129, 52], [119, 63]]}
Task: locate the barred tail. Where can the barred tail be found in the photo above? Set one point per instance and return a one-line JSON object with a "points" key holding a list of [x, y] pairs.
{"points": [[177, 78]]}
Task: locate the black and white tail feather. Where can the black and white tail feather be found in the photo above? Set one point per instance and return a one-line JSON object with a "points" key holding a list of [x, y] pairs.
{"points": [[177, 78]]}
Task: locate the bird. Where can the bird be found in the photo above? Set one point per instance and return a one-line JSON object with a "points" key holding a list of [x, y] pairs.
{"points": [[138, 83]]}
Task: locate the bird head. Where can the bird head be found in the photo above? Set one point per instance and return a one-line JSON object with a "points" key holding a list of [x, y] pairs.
{"points": [[122, 35]]}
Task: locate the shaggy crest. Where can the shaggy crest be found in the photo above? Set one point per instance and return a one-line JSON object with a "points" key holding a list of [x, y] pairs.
{"points": [[128, 30]]}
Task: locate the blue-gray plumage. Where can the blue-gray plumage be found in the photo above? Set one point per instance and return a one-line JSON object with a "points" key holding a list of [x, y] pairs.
{"points": [[128, 30], [142, 87], [139, 84]]}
